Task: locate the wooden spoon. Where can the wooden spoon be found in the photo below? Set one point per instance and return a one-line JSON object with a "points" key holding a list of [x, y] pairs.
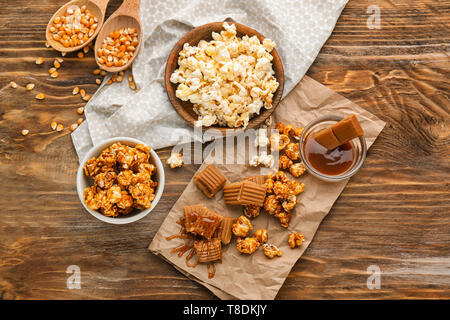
{"points": [[97, 8], [127, 16]]}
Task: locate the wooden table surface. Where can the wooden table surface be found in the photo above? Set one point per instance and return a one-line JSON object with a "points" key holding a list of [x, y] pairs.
{"points": [[394, 213]]}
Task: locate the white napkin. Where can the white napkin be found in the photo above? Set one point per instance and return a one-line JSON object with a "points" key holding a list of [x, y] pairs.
{"points": [[298, 27]]}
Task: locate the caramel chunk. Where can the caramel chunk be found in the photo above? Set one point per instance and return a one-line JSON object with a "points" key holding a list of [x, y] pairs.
{"points": [[252, 193], [327, 138], [208, 250], [231, 193], [224, 230], [210, 180], [257, 179], [347, 129], [201, 221], [339, 133]]}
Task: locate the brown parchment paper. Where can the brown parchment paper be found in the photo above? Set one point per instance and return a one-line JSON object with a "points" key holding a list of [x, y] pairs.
{"points": [[256, 277]]}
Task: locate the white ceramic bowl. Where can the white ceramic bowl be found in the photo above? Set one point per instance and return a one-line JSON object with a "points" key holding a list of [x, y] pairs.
{"points": [[83, 181]]}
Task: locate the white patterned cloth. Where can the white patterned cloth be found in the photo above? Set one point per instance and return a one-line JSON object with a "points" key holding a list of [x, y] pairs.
{"points": [[298, 27]]}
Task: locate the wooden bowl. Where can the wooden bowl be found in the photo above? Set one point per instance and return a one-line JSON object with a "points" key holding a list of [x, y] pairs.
{"points": [[185, 108]]}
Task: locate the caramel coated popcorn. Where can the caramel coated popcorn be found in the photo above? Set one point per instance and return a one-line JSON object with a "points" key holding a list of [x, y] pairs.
{"points": [[247, 245], [242, 227], [290, 156], [251, 211], [122, 180], [295, 240], [282, 196], [271, 251], [261, 235]]}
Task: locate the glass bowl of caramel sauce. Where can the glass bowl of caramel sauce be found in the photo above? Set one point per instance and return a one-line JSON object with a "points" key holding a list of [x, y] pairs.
{"points": [[333, 165]]}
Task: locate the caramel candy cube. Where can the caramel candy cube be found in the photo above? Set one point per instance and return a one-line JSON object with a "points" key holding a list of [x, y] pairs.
{"points": [[224, 231], [208, 250], [201, 221], [252, 193], [327, 139], [231, 193], [347, 129], [210, 180], [257, 179]]}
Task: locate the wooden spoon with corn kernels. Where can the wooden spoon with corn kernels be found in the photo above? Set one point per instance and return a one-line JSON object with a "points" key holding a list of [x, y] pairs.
{"points": [[75, 24], [119, 40]]}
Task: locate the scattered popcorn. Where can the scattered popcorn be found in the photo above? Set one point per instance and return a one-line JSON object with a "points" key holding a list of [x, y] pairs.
{"points": [[254, 161], [266, 160], [228, 79], [261, 138], [295, 240], [175, 160], [271, 251]]}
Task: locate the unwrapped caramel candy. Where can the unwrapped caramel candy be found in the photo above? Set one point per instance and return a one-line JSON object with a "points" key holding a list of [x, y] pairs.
{"points": [[210, 180], [339, 133], [231, 193], [208, 250], [201, 221], [224, 231], [257, 179], [252, 193], [347, 129]]}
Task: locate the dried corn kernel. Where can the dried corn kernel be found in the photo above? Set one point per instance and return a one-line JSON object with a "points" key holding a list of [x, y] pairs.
{"points": [[39, 60], [30, 86], [51, 70], [80, 54], [96, 71], [56, 64], [54, 74], [118, 48], [40, 96], [53, 125], [12, 84], [80, 121], [73, 126], [86, 49], [75, 90], [25, 132], [87, 97], [80, 110], [59, 127], [47, 45], [74, 27], [82, 93], [98, 81], [132, 85]]}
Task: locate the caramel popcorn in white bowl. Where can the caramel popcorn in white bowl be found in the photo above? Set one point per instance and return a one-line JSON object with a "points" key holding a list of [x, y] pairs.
{"points": [[228, 79]]}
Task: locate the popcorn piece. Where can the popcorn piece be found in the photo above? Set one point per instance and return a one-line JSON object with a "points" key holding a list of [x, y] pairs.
{"points": [[248, 245], [261, 235], [252, 211], [292, 150], [175, 160], [254, 161], [242, 227], [271, 251], [297, 169], [295, 240], [284, 162], [266, 160]]}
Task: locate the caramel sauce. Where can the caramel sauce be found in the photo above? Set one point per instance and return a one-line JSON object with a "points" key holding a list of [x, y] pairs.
{"points": [[329, 162], [211, 270]]}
